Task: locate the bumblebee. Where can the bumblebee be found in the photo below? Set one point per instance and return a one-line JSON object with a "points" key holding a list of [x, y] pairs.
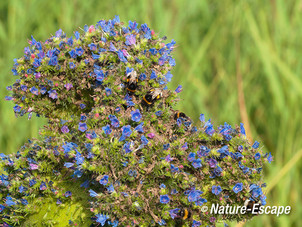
{"points": [[252, 205], [132, 81], [180, 114], [185, 214], [152, 96]]}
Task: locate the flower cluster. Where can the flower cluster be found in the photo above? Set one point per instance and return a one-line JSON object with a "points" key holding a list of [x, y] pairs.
{"points": [[121, 153]]}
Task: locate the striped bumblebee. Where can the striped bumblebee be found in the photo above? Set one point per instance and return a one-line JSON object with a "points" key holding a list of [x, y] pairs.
{"points": [[185, 214], [252, 205], [132, 81], [180, 115], [151, 96]]}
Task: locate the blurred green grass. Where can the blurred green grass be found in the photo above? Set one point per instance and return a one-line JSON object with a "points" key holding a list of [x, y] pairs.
{"points": [[238, 61]]}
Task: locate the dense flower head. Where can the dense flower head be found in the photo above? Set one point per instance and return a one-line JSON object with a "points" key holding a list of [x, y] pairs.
{"points": [[107, 143]]}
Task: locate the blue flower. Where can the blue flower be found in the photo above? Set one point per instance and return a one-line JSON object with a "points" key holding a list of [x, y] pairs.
{"points": [[153, 75], [104, 180], [203, 151], [110, 188], [114, 121], [17, 108], [178, 89], [257, 156], [43, 186], [53, 94], [9, 201], [34, 90], [79, 51], [36, 63], [136, 115], [93, 193], [193, 195], [256, 145], [197, 163], [24, 202], [168, 76], [142, 76], [112, 48], [70, 42], [162, 222], [162, 186], [77, 34], [92, 46], [68, 164], [153, 51], [101, 218], [130, 40], [159, 113], [242, 130], [216, 189], [144, 140], [238, 187], [269, 158], [82, 127], [107, 130], [196, 223], [166, 146], [164, 199], [121, 56], [53, 61], [72, 53], [139, 128], [191, 156], [72, 65], [173, 168], [67, 194], [126, 130]]}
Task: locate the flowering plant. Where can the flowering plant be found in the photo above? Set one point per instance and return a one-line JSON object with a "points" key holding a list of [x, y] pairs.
{"points": [[114, 151]]}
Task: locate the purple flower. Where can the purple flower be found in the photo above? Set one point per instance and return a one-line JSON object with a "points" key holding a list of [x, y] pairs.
{"points": [[121, 56], [34, 90], [68, 86], [151, 135], [82, 127], [112, 47], [37, 75], [53, 94], [212, 162], [65, 129], [212, 219], [104, 180], [238, 187], [164, 199], [107, 130], [33, 166], [136, 115], [257, 156], [130, 40], [174, 213], [216, 189]]}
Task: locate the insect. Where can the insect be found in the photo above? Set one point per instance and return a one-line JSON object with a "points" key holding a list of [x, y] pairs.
{"points": [[185, 214], [180, 114], [152, 96], [252, 205], [132, 81]]}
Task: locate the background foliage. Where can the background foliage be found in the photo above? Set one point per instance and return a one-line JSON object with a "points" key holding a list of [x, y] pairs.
{"points": [[238, 61]]}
